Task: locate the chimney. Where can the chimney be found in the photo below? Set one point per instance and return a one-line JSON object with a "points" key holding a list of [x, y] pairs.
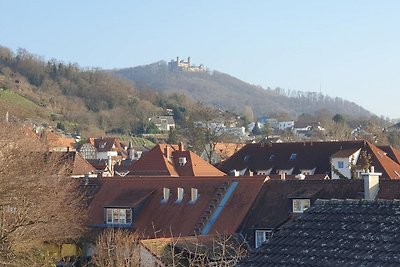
{"points": [[110, 166], [180, 195], [194, 195], [165, 195], [234, 172], [283, 176], [167, 152], [371, 184], [181, 148]]}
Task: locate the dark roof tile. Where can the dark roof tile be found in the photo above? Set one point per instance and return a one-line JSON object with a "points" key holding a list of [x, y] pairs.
{"points": [[336, 233]]}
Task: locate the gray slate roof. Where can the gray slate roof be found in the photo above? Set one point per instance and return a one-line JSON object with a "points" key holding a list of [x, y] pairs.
{"points": [[336, 233]]}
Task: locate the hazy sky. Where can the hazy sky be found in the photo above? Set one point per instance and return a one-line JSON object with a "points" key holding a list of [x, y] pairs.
{"points": [[349, 49]]}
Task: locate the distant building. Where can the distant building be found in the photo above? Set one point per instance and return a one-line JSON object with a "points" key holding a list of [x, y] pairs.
{"points": [[185, 65], [164, 123]]}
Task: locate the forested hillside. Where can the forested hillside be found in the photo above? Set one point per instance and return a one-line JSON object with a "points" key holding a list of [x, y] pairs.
{"points": [[89, 101], [229, 93]]}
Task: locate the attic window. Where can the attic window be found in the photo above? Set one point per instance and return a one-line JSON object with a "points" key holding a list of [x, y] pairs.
{"points": [[261, 236], [293, 156], [300, 205], [119, 216], [272, 157]]}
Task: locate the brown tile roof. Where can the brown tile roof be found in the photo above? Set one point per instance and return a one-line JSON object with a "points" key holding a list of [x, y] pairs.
{"points": [[76, 164], [308, 155], [164, 159], [345, 153], [57, 141], [156, 218]]}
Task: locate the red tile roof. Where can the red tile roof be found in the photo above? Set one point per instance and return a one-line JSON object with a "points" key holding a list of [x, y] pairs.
{"points": [[156, 218], [392, 153], [165, 160], [308, 155]]}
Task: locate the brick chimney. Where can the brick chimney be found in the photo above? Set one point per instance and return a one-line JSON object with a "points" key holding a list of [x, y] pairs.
{"points": [[167, 152], [181, 147]]}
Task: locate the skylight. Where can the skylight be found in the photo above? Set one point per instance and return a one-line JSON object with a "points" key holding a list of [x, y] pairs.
{"points": [[293, 156]]}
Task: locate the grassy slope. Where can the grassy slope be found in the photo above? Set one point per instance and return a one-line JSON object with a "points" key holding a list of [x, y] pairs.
{"points": [[20, 107]]}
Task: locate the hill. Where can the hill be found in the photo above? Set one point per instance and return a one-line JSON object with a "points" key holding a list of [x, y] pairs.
{"points": [[229, 93], [88, 101]]}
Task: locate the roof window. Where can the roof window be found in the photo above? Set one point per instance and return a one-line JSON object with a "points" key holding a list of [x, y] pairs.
{"points": [[272, 157], [246, 158], [293, 156]]}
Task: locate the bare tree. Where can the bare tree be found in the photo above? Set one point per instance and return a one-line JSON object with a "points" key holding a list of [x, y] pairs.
{"points": [[205, 128], [38, 203], [115, 248], [201, 251]]}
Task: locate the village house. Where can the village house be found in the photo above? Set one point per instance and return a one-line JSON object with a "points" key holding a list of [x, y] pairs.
{"points": [[163, 123], [172, 160], [174, 206], [340, 159]]}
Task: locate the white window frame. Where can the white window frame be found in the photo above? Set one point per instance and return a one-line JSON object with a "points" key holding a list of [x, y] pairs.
{"points": [[299, 205], [118, 216], [260, 236]]}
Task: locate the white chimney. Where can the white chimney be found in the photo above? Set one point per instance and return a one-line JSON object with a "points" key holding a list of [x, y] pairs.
{"points": [[165, 194], [194, 194], [234, 173], [371, 184], [180, 195]]}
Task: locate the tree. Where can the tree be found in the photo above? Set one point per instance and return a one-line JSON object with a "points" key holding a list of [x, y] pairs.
{"points": [[248, 114], [338, 119], [38, 203], [365, 160], [115, 248], [205, 128]]}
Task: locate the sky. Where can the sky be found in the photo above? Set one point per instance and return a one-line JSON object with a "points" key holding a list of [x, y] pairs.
{"points": [[341, 48]]}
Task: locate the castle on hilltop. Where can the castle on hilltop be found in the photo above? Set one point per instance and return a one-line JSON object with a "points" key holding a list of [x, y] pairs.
{"points": [[185, 65]]}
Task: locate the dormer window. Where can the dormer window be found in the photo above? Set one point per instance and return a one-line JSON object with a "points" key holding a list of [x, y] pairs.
{"points": [[272, 157], [340, 164], [261, 236], [293, 156], [300, 205], [119, 216], [182, 161], [246, 158]]}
